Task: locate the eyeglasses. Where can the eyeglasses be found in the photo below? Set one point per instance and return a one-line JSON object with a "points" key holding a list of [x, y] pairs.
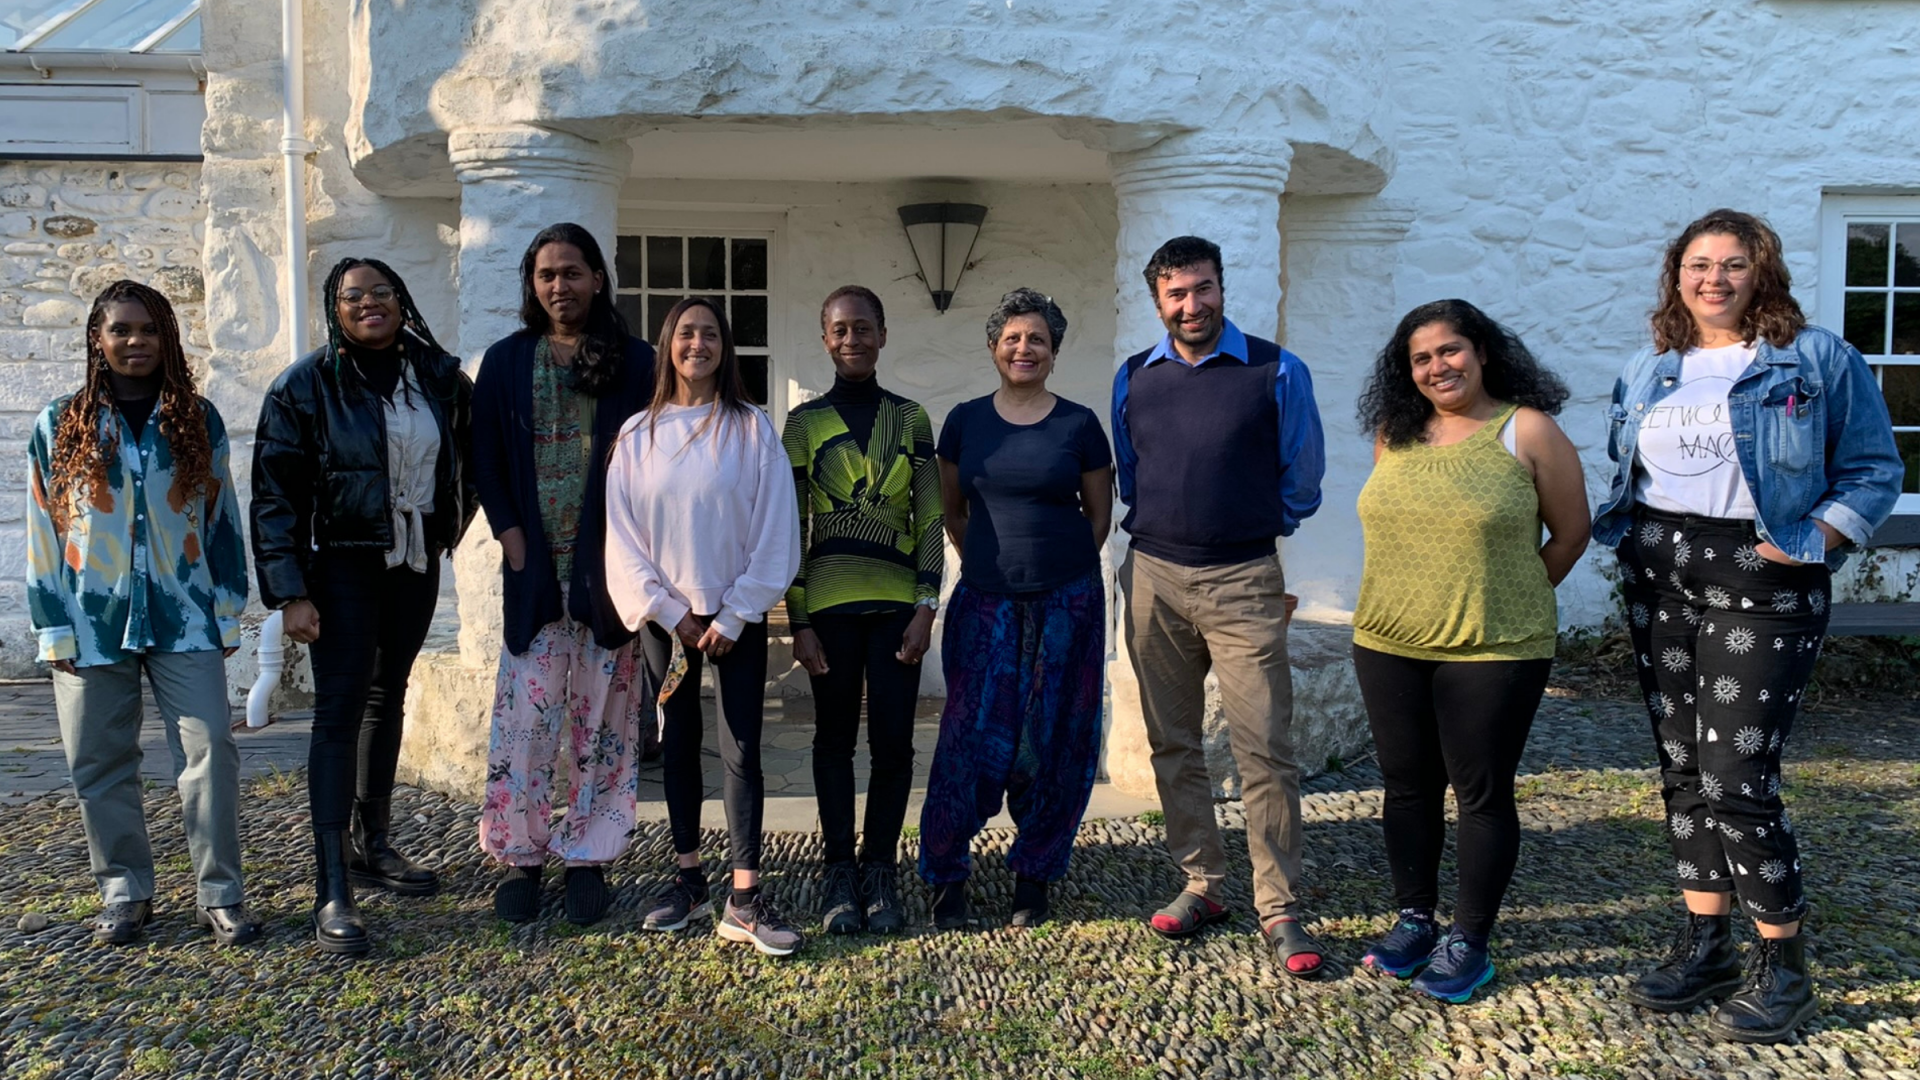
{"points": [[1737, 269], [382, 293]]}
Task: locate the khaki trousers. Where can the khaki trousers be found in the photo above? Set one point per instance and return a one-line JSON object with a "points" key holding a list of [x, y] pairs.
{"points": [[100, 713], [1181, 621]]}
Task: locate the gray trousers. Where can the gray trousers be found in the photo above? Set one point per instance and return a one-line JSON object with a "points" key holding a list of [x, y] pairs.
{"points": [[100, 714], [1181, 621]]}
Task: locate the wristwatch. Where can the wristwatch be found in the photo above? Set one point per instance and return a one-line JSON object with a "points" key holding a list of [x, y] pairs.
{"points": [[931, 603]]}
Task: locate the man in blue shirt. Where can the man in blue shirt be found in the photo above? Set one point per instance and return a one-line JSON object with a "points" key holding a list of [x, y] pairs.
{"points": [[1219, 450]]}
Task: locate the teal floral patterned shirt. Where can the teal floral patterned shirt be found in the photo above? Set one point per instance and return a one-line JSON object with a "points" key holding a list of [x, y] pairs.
{"points": [[132, 572]]}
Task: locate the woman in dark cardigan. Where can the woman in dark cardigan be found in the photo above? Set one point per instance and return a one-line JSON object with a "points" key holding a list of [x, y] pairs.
{"points": [[548, 403]]}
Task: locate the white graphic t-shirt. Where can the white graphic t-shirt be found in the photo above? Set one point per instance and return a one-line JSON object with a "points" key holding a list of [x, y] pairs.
{"points": [[1684, 461]]}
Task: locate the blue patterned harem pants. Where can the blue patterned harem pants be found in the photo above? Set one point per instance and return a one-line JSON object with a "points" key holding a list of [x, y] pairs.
{"points": [[1022, 720]]}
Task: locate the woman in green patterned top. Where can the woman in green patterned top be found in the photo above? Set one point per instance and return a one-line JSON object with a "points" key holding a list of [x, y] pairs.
{"points": [[1454, 632], [862, 608]]}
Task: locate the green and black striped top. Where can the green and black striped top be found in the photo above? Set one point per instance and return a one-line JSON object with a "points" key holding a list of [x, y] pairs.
{"points": [[869, 488]]}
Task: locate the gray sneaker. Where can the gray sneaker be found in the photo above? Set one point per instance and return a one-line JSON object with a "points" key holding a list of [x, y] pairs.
{"points": [[839, 904], [676, 905], [760, 925]]}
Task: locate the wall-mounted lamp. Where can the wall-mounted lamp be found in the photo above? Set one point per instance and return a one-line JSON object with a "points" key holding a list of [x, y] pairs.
{"points": [[942, 235]]}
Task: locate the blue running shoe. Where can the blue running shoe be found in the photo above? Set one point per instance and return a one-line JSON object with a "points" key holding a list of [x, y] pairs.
{"points": [[1456, 969], [1406, 949]]}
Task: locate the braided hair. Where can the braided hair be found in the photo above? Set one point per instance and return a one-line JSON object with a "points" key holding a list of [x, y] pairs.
{"points": [[603, 346], [84, 440], [411, 321]]}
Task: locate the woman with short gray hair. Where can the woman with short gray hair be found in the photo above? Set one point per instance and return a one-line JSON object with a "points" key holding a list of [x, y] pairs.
{"points": [[1026, 481]]}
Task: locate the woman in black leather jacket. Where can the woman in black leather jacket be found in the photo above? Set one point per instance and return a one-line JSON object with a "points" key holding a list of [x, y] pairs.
{"points": [[361, 482]]}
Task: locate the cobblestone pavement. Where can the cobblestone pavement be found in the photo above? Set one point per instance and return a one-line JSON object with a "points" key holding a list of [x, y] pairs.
{"points": [[451, 992]]}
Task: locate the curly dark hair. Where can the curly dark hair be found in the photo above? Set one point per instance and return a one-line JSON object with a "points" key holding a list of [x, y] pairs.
{"points": [[1180, 253], [596, 366], [1024, 301], [83, 440], [860, 293], [1392, 407], [1774, 314], [411, 321]]}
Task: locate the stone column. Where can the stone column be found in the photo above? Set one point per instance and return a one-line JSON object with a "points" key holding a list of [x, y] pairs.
{"points": [[1226, 189], [514, 181]]}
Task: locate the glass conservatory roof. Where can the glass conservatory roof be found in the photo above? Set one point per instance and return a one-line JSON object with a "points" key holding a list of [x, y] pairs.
{"points": [[160, 27]]}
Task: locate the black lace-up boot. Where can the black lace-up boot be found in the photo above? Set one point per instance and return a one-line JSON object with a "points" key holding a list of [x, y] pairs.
{"points": [[1701, 965], [1777, 998]]}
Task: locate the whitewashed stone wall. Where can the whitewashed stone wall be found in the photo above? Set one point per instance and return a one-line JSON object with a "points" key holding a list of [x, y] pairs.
{"points": [[1545, 153], [67, 230]]}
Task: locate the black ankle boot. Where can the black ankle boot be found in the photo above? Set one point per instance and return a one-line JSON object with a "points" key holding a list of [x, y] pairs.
{"points": [[950, 906], [375, 864], [1777, 998], [1701, 965], [336, 919], [1030, 907]]}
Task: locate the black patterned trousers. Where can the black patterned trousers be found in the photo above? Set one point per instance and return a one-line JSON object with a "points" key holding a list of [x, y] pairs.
{"points": [[1724, 643]]}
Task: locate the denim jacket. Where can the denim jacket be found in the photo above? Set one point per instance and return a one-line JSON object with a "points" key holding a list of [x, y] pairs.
{"points": [[1810, 428]]}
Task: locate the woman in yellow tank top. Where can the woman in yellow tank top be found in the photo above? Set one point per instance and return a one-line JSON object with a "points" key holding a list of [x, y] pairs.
{"points": [[1454, 633]]}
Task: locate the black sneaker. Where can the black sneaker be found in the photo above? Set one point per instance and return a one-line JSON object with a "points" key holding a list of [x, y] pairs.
{"points": [[678, 904], [880, 895], [840, 908], [587, 895], [517, 898]]}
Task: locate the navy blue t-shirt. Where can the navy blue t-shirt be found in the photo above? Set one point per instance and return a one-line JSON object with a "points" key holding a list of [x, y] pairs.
{"points": [[1025, 529]]}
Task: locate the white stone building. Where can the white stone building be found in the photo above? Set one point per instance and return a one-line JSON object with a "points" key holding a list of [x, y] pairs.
{"points": [[1353, 159]]}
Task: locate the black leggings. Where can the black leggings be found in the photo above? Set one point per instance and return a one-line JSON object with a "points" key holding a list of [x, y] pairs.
{"points": [[741, 700], [860, 654], [372, 623], [1463, 722]]}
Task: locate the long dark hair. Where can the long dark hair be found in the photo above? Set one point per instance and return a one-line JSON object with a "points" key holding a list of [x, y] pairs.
{"points": [[734, 404], [596, 366], [1774, 314], [83, 442], [411, 321], [1392, 407]]}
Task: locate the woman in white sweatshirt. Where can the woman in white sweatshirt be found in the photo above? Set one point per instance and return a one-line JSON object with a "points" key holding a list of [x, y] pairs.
{"points": [[702, 539]]}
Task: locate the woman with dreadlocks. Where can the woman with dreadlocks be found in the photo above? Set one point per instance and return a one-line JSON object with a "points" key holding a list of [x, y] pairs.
{"points": [[135, 563], [361, 482], [548, 406]]}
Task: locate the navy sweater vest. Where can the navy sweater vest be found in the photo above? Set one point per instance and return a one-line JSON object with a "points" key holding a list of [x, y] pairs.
{"points": [[1206, 489]]}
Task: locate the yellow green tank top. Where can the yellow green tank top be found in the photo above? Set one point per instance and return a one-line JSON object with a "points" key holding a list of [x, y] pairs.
{"points": [[1453, 568]]}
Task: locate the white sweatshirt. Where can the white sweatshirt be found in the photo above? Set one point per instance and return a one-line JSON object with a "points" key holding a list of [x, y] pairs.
{"points": [[708, 526]]}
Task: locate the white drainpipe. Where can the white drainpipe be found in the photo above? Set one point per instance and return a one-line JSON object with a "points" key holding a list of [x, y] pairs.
{"points": [[295, 147], [273, 652]]}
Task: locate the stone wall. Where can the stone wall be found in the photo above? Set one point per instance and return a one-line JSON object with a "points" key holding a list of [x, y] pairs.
{"points": [[68, 229]]}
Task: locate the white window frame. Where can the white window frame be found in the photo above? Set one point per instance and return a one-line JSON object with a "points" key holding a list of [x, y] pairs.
{"points": [[1836, 213], [665, 220]]}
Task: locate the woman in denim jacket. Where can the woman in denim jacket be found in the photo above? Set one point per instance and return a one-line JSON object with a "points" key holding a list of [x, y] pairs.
{"points": [[1751, 452]]}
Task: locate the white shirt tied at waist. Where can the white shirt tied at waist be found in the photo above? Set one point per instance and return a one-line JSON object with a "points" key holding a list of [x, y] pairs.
{"points": [[413, 450]]}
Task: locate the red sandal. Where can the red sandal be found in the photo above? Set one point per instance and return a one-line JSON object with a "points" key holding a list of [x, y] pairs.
{"points": [[1188, 914], [1300, 955]]}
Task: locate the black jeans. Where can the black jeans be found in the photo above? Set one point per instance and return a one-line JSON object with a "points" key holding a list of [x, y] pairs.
{"points": [[1724, 643], [740, 697], [1463, 722], [860, 655], [372, 623]]}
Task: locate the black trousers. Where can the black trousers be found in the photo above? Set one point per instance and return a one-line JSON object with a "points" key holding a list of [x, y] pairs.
{"points": [[1459, 722], [860, 656], [372, 623], [740, 695], [1724, 643]]}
